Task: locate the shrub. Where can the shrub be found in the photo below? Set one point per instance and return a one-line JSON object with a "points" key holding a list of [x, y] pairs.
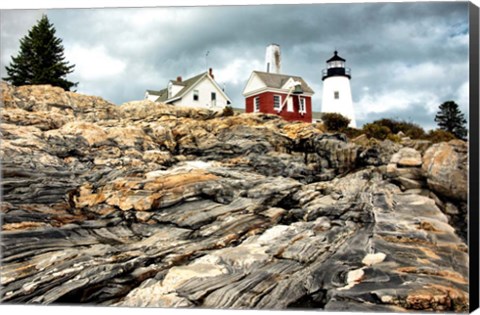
{"points": [[439, 135], [352, 132], [394, 138], [411, 130], [373, 130], [228, 111], [335, 121]]}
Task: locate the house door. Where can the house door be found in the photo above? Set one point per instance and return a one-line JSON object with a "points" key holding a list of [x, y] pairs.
{"points": [[290, 104]]}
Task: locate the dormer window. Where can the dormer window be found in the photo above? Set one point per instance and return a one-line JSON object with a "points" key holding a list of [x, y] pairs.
{"points": [[170, 88]]}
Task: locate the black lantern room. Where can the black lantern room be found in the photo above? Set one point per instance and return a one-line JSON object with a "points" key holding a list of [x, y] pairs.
{"points": [[335, 67]]}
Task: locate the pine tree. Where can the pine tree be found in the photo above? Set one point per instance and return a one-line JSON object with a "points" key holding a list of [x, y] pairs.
{"points": [[41, 59], [451, 119]]}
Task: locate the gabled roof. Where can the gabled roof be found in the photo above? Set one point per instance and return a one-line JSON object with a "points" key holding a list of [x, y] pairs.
{"points": [[336, 57], [160, 94], [187, 86], [175, 82], [277, 81]]}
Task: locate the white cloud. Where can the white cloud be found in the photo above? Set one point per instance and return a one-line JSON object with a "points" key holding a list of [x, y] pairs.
{"points": [[14, 25], [398, 100], [156, 17], [463, 96], [92, 63], [237, 71], [423, 72]]}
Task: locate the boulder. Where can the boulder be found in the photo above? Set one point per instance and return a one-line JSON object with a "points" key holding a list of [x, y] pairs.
{"points": [[446, 167], [407, 157], [378, 152]]}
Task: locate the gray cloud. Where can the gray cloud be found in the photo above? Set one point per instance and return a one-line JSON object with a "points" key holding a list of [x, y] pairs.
{"points": [[14, 24], [406, 58]]}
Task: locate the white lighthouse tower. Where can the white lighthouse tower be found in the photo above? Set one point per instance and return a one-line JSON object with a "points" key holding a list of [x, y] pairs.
{"points": [[337, 95]]}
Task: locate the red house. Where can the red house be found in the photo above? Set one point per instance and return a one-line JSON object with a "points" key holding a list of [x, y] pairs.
{"points": [[285, 95]]}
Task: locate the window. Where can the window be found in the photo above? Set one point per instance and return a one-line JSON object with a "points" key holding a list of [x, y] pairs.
{"points": [[256, 104], [336, 64], [170, 88], [195, 95], [276, 102], [302, 105], [336, 95], [213, 97]]}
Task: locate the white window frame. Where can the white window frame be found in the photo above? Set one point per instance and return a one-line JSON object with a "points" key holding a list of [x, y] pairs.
{"points": [[197, 94], [279, 97], [303, 105], [256, 104]]}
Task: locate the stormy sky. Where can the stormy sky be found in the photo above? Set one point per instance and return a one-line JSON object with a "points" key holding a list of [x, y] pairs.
{"points": [[406, 58]]}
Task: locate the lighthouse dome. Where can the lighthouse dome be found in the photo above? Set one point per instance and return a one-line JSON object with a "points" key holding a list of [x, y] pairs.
{"points": [[335, 57], [336, 67]]}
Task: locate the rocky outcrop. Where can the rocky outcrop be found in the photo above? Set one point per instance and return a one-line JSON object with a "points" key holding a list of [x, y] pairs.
{"points": [[446, 168], [149, 205]]}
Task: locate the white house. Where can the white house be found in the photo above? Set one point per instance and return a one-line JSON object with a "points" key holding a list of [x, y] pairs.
{"points": [[200, 91]]}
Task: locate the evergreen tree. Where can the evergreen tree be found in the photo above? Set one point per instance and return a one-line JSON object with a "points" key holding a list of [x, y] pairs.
{"points": [[451, 119], [41, 59]]}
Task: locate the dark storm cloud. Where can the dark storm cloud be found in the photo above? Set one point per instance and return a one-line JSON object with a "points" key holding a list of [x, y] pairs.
{"points": [[406, 58]]}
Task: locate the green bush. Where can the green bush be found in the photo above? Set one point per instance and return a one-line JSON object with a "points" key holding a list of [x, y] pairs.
{"points": [[411, 130], [335, 121], [352, 132], [439, 135], [373, 130], [228, 111], [394, 138]]}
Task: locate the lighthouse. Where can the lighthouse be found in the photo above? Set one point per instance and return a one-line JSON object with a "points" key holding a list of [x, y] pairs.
{"points": [[337, 95]]}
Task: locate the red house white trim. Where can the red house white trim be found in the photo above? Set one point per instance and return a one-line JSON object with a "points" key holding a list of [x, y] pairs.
{"points": [[267, 93]]}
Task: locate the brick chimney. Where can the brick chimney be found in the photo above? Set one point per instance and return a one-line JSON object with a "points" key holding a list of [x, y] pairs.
{"points": [[210, 72], [179, 79]]}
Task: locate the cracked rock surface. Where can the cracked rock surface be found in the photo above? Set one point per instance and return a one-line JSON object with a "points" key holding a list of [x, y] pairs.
{"points": [[150, 205]]}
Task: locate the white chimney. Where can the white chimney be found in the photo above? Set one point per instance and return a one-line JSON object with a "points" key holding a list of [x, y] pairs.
{"points": [[272, 58]]}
